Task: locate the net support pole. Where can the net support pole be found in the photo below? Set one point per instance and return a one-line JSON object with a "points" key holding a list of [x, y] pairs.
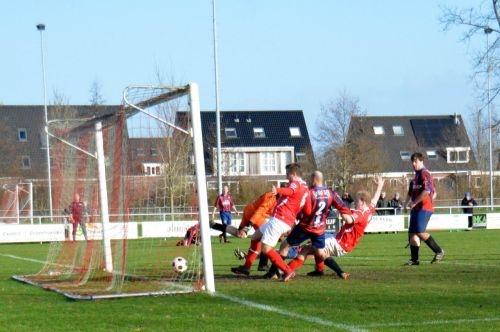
{"points": [[30, 188], [17, 204], [103, 196], [201, 188]]}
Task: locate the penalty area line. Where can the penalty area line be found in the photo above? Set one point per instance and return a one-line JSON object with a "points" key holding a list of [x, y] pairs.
{"points": [[307, 318], [24, 258]]}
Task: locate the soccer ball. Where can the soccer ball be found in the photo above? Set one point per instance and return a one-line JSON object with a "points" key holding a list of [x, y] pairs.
{"points": [[179, 264]]}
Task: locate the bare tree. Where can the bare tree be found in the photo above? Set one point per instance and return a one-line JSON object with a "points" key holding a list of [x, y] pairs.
{"points": [[95, 91], [476, 21], [343, 148]]}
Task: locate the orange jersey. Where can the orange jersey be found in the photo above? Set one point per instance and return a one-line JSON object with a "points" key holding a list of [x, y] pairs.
{"points": [[257, 211]]}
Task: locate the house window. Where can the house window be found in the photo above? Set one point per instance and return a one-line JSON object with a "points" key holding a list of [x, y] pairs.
{"points": [[300, 157], [22, 134], [378, 130], [259, 132], [457, 155], [432, 155], [26, 162], [405, 155], [152, 169], [295, 132], [236, 163], [154, 152], [230, 132], [398, 130], [140, 151], [477, 182], [269, 162]]}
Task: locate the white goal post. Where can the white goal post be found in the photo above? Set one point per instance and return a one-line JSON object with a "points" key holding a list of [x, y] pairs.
{"points": [[195, 131]]}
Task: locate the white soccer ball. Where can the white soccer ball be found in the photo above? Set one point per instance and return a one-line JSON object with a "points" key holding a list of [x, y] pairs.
{"points": [[179, 264]]}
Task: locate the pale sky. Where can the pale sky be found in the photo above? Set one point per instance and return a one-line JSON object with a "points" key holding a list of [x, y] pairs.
{"points": [[278, 54]]}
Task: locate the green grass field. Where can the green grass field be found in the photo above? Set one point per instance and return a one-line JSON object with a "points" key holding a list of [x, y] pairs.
{"points": [[461, 293]]}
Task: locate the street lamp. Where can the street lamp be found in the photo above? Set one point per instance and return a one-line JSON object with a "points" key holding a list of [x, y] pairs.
{"points": [[41, 27], [487, 31]]}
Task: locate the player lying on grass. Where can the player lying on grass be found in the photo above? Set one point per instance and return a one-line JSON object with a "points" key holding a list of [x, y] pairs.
{"points": [[255, 215], [312, 220], [289, 204], [192, 236], [349, 235]]}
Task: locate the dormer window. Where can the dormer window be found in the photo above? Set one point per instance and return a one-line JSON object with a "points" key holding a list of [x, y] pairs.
{"points": [[378, 130], [295, 132], [432, 155], [398, 130], [230, 132], [457, 155], [258, 132], [140, 152], [405, 155]]}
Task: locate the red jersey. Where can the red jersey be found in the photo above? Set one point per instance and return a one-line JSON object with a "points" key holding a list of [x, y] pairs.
{"points": [[350, 234], [422, 182], [291, 201], [224, 203], [77, 210], [317, 208]]}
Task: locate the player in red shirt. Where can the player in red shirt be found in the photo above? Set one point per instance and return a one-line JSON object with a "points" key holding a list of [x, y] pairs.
{"points": [[77, 215], [421, 193], [290, 202], [349, 235], [312, 220], [224, 203]]}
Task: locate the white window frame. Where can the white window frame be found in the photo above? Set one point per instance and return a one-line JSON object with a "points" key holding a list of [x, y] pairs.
{"points": [[259, 132], [432, 155], [230, 130], [405, 155], [457, 150], [19, 131], [23, 158], [152, 169], [269, 163], [300, 157], [398, 130], [295, 132], [378, 130]]}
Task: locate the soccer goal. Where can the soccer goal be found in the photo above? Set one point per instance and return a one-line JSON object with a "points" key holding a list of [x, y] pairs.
{"points": [[139, 171]]}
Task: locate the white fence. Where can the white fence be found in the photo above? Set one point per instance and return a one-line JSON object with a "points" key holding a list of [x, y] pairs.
{"points": [[162, 226]]}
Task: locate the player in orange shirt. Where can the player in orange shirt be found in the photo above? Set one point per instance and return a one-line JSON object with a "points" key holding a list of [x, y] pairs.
{"points": [[255, 215]]}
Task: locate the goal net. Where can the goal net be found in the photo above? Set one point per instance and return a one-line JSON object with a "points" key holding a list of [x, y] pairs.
{"points": [[138, 174]]}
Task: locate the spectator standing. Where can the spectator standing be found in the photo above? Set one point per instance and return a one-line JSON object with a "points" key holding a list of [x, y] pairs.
{"points": [[347, 199], [382, 204], [396, 204], [468, 202]]}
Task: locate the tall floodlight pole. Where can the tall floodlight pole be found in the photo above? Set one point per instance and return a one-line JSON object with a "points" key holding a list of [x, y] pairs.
{"points": [[217, 110], [487, 31], [41, 27]]}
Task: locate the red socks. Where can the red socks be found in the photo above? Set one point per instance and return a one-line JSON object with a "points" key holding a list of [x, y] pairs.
{"points": [[275, 257], [253, 252], [296, 264]]}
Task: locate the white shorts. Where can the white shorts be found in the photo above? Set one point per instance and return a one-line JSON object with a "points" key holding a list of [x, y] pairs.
{"points": [[273, 230], [333, 248]]}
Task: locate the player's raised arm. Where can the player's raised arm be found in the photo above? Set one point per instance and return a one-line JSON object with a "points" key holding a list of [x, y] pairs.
{"points": [[380, 184]]}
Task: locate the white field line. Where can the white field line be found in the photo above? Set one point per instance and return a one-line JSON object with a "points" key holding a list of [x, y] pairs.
{"points": [[432, 322], [25, 259], [268, 308]]}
